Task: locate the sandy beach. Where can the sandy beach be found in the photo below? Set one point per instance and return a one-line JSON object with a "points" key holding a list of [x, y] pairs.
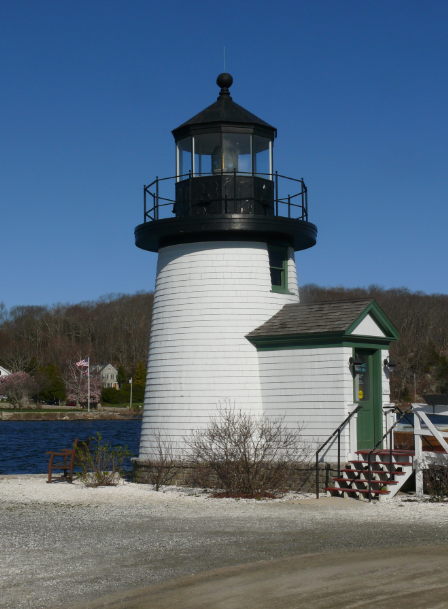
{"points": [[130, 547]]}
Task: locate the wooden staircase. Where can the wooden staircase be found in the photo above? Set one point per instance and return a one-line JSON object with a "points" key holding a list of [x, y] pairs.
{"points": [[386, 478]]}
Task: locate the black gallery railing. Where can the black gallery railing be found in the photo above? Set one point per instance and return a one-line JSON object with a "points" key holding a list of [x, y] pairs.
{"points": [[158, 205]]}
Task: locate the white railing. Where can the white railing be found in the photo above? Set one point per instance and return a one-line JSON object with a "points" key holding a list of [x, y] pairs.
{"points": [[388, 422], [421, 418]]}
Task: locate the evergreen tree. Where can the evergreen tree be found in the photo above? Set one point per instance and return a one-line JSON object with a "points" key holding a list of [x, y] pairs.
{"points": [[50, 381], [121, 376], [138, 394], [140, 374]]}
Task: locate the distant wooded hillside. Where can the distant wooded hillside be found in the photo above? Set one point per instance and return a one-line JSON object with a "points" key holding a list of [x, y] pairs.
{"points": [[116, 329], [421, 319], [113, 329]]}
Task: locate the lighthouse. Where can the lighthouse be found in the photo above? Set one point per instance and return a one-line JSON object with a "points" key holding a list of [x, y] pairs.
{"points": [[225, 228]]}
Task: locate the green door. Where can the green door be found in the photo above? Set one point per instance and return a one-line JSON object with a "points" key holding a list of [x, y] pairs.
{"points": [[367, 392]]}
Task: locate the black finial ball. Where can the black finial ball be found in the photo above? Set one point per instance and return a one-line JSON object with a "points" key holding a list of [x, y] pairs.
{"points": [[224, 80]]}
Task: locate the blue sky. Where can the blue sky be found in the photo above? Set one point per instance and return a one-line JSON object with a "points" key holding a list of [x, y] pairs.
{"points": [[358, 91]]}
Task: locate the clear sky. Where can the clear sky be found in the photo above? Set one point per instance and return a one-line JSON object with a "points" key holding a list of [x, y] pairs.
{"points": [[90, 91]]}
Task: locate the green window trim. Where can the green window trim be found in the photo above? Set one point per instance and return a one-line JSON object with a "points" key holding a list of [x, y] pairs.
{"points": [[278, 266], [280, 291]]}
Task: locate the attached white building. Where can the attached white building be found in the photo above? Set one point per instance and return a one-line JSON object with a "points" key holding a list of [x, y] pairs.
{"points": [[307, 355]]}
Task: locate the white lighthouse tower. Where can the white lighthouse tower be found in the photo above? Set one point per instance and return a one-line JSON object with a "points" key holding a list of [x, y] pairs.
{"points": [[226, 238]]}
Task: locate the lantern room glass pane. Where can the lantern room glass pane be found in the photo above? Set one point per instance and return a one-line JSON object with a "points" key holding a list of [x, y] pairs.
{"points": [[236, 153], [204, 147], [184, 156], [261, 156]]}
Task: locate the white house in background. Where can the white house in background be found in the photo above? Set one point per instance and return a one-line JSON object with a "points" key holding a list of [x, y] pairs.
{"points": [[4, 372], [107, 373]]}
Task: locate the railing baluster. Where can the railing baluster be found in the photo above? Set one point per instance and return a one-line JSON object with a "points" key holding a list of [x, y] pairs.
{"points": [[339, 453], [303, 200], [276, 193], [144, 199], [317, 478], [234, 191], [189, 193], [390, 456], [156, 211], [306, 202]]}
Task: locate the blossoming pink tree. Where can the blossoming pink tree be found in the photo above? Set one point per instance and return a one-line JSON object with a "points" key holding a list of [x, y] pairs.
{"points": [[17, 387], [77, 389]]}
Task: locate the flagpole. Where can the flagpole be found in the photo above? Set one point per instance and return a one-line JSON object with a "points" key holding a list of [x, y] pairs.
{"points": [[88, 383], [79, 389]]}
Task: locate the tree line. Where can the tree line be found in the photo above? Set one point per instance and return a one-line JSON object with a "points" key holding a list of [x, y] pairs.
{"points": [[45, 341]]}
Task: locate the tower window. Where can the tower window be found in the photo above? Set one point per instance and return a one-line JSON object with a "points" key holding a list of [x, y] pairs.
{"points": [[278, 265]]}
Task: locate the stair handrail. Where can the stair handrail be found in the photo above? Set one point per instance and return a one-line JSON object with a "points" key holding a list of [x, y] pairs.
{"points": [[336, 431], [369, 456]]}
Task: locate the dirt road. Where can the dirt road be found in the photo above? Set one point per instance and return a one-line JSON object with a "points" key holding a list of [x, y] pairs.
{"points": [[385, 579]]}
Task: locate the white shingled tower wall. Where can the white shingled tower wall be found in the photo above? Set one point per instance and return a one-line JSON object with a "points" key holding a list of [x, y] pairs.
{"points": [[208, 296]]}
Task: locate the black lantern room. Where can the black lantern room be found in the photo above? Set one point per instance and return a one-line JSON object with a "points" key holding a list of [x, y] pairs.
{"points": [[225, 185]]}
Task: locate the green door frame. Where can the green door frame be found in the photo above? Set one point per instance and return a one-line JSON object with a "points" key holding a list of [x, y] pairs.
{"points": [[377, 393]]}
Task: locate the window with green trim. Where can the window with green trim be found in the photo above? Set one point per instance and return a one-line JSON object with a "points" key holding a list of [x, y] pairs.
{"points": [[278, 265]]}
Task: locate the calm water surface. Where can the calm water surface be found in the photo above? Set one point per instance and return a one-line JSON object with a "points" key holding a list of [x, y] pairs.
{"points": [[23, 443]]}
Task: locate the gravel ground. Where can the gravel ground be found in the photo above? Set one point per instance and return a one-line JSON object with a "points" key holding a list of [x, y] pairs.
{"points": [[64, 545]]}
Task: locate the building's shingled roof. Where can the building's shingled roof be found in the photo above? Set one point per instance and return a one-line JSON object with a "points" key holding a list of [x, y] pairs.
{"points": [[318, 317]]}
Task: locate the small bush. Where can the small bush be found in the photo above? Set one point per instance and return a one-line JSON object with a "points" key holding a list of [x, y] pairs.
{"points": [[435, 477], [102, 465], [163, 466], [110, 395], [241, 454]]}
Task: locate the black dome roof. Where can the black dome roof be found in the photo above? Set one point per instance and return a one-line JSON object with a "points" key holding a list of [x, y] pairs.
{"points": [[223, 112]]}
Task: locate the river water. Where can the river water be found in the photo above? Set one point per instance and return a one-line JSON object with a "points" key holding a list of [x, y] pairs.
{"points": [[23, 443]]}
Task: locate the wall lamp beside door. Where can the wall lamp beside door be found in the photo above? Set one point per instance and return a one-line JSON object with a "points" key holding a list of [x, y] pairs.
{"points": [[355, 363], [389, 363]]}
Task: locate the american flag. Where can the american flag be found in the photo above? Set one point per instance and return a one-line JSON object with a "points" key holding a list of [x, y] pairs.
{"points": [[84, 363]]}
